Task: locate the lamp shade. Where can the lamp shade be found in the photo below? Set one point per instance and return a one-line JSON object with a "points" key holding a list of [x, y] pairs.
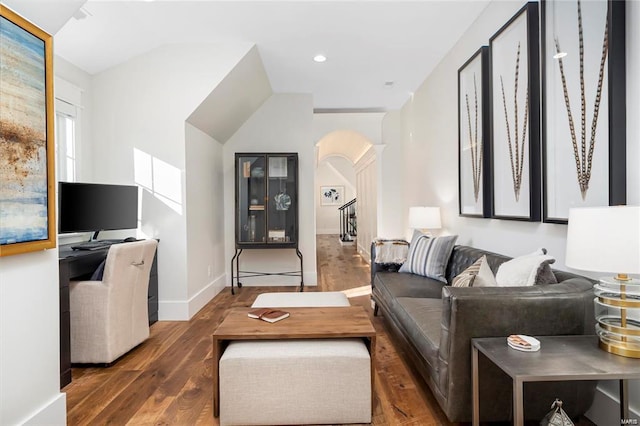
{"points": [[424, 218], [604, 239]]}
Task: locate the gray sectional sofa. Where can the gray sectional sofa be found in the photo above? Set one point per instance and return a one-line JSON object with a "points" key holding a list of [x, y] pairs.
{"points": [[435, 323]]}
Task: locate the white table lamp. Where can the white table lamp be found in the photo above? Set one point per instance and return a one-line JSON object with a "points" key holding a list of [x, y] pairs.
{"points": [[424, 218], [607, 239]]}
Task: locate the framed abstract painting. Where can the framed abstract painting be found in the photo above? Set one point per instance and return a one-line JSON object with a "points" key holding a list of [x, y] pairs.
{"points": [[27, 175], [583, 104], [515, 117], [474, 185]]}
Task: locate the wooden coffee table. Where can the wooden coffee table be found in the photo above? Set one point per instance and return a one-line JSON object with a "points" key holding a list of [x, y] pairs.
{"points": [[303, 323]]}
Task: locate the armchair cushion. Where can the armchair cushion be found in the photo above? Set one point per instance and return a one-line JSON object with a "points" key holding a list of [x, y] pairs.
{"points": [[109, 317]]}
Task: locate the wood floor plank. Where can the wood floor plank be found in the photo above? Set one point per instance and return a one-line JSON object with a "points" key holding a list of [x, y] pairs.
{"points": [[100, 396], [167, 380]]}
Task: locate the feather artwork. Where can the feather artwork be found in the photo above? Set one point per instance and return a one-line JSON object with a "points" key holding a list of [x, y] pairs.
{"points": [[475, 143], [583, 151], [516, 149]]}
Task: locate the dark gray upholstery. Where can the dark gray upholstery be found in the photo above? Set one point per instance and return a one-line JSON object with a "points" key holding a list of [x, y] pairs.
{"points": [[437, 324]]}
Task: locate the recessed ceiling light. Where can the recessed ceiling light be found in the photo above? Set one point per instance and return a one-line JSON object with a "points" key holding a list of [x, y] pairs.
{"points": [[319, 58], [389, 83]]}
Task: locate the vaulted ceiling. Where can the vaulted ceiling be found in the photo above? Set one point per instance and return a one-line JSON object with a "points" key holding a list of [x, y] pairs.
{"points": [[378, 52]]}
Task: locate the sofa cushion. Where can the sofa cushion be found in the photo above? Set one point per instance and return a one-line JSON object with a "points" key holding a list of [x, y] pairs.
{"points": [[391, 285], [429, 256], [421, 317], [527, 270]]}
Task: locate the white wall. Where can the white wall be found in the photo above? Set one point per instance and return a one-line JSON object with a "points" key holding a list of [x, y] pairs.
{"points": [[390, 222], [281, 124], [367, 183], [139, 138], [29, 306], [30, 339], [429, 123], [604, 409], [633, 103], [333, 171], [205, 221], [368, 124]]}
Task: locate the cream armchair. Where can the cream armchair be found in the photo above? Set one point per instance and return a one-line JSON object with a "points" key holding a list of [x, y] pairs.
{"points": [[109, 317]]}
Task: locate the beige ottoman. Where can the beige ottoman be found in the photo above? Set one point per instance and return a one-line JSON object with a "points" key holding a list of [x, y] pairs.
{"points": [[277, 382]]}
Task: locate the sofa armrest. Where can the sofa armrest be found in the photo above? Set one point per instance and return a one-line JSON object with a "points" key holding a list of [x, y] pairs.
{"points": [[469, 312]]}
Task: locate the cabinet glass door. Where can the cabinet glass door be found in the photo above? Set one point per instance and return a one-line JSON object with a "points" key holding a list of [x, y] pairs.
{"points": [[251, 199], [282, 203]]}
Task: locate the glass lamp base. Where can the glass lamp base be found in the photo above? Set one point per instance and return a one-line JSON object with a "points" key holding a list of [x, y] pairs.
{"points": [[617, 310]]}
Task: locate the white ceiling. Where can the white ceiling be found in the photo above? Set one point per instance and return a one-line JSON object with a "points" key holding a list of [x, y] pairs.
{"points": [[368, 43], [49, 15]]}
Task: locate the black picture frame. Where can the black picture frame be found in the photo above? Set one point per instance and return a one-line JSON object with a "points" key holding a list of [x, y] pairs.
{"points": [[474, 183], [515, 179], [602, 163]]}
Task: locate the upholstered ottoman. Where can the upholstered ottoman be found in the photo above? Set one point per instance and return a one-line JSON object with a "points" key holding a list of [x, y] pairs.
{"points": [[296, 381]]}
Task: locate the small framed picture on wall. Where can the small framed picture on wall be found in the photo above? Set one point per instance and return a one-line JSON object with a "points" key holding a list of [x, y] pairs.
{"points": [[331, 195]]}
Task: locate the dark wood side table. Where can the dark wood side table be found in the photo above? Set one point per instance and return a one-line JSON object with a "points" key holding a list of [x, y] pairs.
{"points": [[560, 358]]}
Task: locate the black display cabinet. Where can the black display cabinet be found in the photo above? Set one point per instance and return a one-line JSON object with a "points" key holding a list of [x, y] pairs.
{"points": [[266, 208]]}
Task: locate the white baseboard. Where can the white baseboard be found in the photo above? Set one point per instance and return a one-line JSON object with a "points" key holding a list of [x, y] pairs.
{"points": [[204, 296], [54, 413], [184, 310], [605, 410], [173, 310]]}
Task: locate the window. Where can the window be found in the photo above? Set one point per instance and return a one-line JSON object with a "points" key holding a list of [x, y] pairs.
{"points": [[66, 116], [68, 106]]}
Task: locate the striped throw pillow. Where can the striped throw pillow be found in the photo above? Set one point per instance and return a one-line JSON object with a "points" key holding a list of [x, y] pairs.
{"points": [[466, 277], [429, 256]]}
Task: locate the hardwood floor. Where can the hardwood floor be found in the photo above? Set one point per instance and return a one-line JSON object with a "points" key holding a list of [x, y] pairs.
{"points": [[167, 379]]}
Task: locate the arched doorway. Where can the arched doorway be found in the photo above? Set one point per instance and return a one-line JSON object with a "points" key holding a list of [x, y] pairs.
{"points": [[339, 170]]}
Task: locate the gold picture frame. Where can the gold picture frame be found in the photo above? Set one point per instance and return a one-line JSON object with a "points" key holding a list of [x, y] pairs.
{"points": [[27, 192]]}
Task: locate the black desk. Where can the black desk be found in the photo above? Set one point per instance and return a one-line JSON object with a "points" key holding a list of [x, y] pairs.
{"points": [[78, 265]]}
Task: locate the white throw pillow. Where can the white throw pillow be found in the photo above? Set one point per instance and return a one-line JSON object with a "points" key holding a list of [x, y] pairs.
{"points": [[523, 271]]}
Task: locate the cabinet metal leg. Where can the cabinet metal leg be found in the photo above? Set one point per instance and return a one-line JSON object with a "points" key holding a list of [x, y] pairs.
{"points": [[301, 270], [238, 269], [235, 258]]}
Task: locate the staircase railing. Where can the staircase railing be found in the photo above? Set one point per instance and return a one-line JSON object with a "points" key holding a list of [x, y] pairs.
{"points": [[348, 221]]}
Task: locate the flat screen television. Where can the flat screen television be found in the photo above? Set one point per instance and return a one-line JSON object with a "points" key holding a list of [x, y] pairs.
{"points": [[91, 207]]}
